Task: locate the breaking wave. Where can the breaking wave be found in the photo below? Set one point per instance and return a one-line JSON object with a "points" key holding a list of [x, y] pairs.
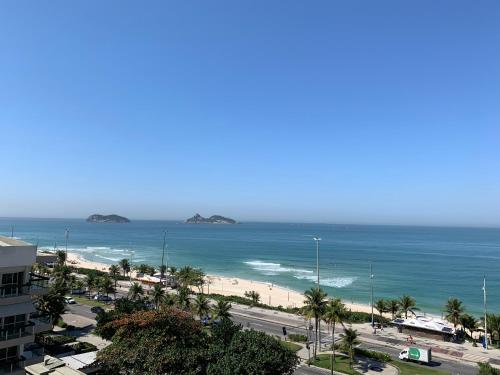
{"points": [[334, 282], [270, 269]]}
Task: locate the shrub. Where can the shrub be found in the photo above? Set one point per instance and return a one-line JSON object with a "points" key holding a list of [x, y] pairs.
{"points": [[61, 324], [377, 356], [297, 337]]}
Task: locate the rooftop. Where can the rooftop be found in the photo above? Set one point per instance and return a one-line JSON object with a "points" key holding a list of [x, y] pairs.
{"points": [[8, 241]]}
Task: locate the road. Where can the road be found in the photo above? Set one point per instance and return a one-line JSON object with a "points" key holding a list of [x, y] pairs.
{"points": [[453, 367]]}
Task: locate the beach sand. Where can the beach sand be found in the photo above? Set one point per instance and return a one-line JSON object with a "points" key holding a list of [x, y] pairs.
{"points": [[270, 294]]}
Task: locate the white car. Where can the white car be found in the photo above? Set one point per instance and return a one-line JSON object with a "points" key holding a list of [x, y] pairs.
{"points": [[69, 300]]}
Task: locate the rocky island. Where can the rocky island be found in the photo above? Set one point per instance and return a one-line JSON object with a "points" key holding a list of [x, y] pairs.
{"points": [[97, 218], [214, 219]]}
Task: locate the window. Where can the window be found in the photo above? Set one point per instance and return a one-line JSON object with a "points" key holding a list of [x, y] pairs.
{"points": [[12, 283], [8, 354]]}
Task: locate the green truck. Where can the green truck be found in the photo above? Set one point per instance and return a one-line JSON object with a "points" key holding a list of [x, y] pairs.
{"points": [[412, 353]]}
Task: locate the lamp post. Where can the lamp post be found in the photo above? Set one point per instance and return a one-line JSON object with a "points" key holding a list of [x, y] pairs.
{"points": [[163, 255], [66, 234], [485, 316], [371, 292], [317, 239]]}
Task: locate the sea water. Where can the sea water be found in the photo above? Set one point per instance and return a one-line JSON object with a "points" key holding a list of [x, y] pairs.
{"points": [[429, 263]]}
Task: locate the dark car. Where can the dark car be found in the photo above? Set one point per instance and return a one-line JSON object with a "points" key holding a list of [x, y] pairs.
{"points": [[97, 310]]}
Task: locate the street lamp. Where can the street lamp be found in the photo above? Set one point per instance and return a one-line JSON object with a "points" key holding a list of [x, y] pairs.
{"points": [[371, 292], [163, 255], [317, 239], [66, 235]]}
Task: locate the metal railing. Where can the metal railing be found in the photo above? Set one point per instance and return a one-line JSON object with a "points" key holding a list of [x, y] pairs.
{"points": [[7, 291], [11, 366], [38, 281], [17, 332]]}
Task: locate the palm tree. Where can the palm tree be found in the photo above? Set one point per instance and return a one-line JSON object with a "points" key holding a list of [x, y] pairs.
{"points": [[254, 296], [125, 266], [105, 285], [393, 307], [114, 271], [454, 309], [493, 326], [51, 304], [221, 309], [468, 322], [90, 282], [61, 257], [349, 340], [168, 301], [183, 299], [158, 295], [407, 303], [201, 305], [381, 306], [135, 291], [334, 312], [313, 306]]}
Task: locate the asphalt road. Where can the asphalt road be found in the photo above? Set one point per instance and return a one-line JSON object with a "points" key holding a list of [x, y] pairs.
{"points": [[453, 367]]}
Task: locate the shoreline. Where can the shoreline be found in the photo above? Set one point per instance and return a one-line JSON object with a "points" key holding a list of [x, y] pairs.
{"points": [[270, 294]]}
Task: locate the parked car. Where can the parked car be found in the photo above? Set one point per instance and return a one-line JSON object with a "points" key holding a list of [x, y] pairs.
{"points": [[97, 310], [69, 300], [102, 297]]}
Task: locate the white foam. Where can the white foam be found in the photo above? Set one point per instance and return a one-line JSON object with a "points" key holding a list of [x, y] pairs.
{"points": [[334, 282], [271, 269], [108, 258]]}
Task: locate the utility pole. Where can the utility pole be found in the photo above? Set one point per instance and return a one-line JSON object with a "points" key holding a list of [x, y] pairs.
{"points": [[485, 316], [66, 234], [11, 231], [317, 239], [163, 255], [371, 292]]}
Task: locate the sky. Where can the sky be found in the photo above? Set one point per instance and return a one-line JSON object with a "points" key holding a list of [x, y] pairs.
{"points": [[371, 112]]}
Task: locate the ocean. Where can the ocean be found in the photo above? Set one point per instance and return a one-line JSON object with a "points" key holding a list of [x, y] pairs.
{"points": [[429, 263]]}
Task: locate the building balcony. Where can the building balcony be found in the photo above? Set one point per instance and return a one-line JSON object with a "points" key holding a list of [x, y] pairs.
{"points": [[12, 367], [17, 335], [41, 323], [33, 354], [39, 285], [11, 294]]}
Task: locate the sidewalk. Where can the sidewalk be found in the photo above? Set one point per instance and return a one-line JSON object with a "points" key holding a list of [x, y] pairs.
{"points": [[388, 337]]}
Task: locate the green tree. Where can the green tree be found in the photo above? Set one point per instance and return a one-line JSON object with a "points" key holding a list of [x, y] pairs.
{"points": [[253, 352], [254, 296], [201, 305], [158, 295], [381, 307], [221, 309], [313, 306], [61, 257], [105, 285], [156, 343], [407, 304], [334, 312], [125, 266], [393, 307], [114, 272], [349, 341], [51, 304], [136, 291], [468, 322], [183, 298], [90, 282], [453, 310]]}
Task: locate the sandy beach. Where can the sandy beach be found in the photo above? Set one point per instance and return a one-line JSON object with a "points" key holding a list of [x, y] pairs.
{"points": [[269, 293]]}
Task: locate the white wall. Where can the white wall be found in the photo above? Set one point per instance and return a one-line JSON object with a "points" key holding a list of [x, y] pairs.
{"points": [[12, 256]]}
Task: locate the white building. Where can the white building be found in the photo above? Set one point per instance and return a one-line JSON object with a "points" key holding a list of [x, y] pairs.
{"points": [[18, 323]]}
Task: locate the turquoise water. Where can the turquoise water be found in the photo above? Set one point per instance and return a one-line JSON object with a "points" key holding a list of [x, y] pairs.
{"points": [[429, 263]]}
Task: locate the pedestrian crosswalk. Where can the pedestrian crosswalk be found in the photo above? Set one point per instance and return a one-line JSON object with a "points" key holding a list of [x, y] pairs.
{"points": [[474, 358]]}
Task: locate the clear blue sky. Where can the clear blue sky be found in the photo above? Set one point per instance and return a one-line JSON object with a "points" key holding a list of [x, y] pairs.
{"points": [[325, 111]]}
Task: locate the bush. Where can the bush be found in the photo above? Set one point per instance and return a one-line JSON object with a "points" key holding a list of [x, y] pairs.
{"points": [[249, 302], [377, 356], [61, 324], [297, 337], [362, 317], [487, 369], [84, 347]]}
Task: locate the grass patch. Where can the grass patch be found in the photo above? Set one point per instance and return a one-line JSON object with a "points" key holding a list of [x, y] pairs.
{"points": [[297, 337], [291, 345], [90, 302], [341, 364], [412, 369]]}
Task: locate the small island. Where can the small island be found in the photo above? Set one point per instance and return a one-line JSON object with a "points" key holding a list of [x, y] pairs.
{"points": [[214, 219], [97, 218]]}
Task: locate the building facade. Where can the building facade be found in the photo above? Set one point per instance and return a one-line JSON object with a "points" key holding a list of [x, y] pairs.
{"points": [[18, 319]]}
